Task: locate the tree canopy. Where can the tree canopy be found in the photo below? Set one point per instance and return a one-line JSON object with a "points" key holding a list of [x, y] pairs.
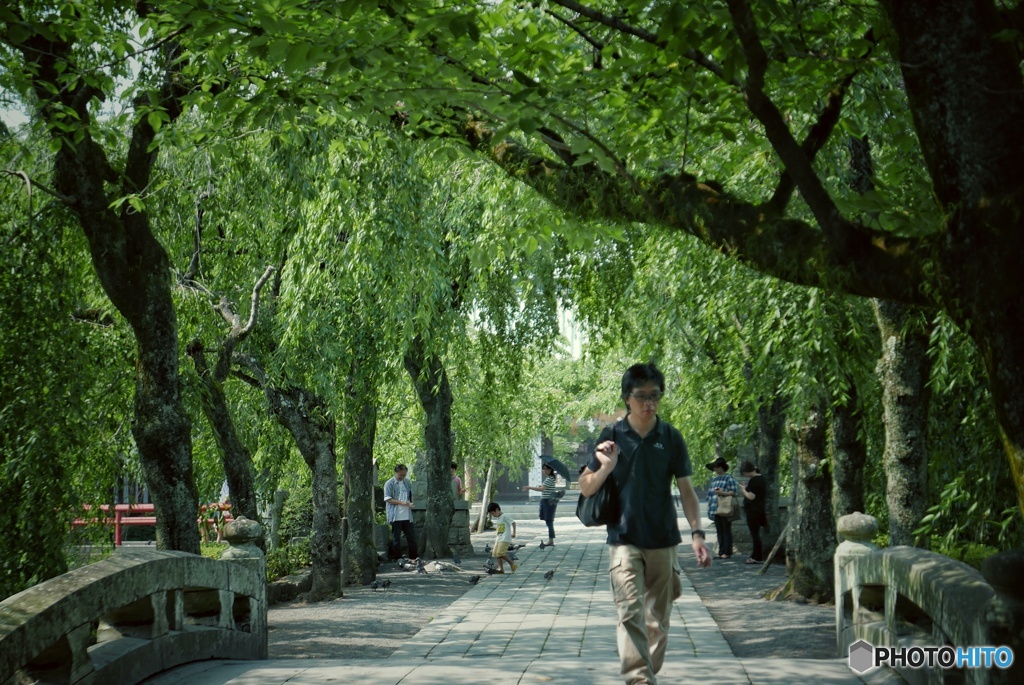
{"points": [[652, 127]]}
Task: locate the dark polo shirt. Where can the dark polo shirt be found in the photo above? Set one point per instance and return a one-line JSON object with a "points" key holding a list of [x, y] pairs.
{"points": [[648, 511]]}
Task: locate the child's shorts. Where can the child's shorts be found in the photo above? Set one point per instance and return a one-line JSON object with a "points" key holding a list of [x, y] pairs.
{"points": [[499, 549]]}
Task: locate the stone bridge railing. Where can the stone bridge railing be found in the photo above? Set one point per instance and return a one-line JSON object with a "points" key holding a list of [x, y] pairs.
{"points": [[909, 597], [137, 613]]}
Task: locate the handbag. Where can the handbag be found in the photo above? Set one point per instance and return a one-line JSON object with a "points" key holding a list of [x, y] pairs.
{"points": [[726, 506], [602, 508]]}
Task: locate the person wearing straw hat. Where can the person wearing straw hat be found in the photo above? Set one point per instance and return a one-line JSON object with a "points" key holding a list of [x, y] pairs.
{"points": [[722, 486]]}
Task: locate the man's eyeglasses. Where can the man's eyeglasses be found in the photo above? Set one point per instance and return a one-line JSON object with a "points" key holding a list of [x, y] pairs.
{"points": [[653, 398]]}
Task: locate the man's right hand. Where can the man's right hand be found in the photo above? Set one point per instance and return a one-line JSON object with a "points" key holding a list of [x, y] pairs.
{"points": [[607, 454]]}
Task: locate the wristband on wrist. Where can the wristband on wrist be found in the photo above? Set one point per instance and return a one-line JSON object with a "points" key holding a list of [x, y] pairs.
{"points": [[698, 531]]}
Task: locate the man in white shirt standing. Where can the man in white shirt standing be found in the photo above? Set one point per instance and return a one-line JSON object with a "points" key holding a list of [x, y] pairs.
{"points": [[398, 503]]}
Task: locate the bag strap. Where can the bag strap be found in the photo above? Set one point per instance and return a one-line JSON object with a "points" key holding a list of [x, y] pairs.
{"points": [[632, 462]]}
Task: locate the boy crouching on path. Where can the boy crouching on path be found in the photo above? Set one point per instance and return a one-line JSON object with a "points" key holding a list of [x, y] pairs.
{"points": [[505, 526]]}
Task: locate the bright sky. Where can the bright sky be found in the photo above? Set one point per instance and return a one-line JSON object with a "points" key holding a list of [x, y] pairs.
{"points": [[12, 118]]}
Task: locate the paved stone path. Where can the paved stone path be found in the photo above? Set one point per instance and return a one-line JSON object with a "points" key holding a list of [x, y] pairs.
{"points": [[520, 628]]}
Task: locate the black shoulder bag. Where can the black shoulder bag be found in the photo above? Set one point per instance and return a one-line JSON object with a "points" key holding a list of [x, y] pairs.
{"points": [[602, 507]]}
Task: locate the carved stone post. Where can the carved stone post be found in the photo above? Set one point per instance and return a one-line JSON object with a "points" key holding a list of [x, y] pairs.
{"points": [[241, 534], [1004, 615], [856, 531]]}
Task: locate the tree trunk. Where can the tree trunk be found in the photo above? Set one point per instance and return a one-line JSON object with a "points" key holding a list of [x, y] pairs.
{"points": [[468, 482], [435, 395], [966, 92], [812, 536], [849, 455], [904, 369], [481, 521], [131, 265], [276, 509], [361, 557], [235, 456], [308, 419], [771, 418]]}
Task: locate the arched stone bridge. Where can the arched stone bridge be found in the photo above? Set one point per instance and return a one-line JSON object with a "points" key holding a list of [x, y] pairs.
{"points": [[135, 614]]}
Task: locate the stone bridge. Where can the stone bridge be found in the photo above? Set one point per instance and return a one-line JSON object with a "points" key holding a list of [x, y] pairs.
{"points": [[905, 597], [137, 613]]}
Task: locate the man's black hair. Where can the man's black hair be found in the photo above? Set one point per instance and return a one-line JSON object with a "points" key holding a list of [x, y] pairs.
{"points": [[641, 374], [454, 465], [400, 467]]}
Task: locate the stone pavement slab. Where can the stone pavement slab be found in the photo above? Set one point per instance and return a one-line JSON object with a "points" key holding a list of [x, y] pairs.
{"points": [[522, 628]]}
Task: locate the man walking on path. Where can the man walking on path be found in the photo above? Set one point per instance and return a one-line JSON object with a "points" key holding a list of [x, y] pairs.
{"points": [[398, 500], [642, 455]]}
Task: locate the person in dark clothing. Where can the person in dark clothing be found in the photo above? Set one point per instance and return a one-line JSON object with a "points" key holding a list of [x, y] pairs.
{"points": [[643, 456], [753, 494]]}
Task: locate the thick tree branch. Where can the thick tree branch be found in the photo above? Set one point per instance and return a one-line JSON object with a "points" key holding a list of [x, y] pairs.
{"points": [[577, 29], [238, 331], [192, 272], [788, 249], [643, 34], [797, 164], [812, 145], [256, 377]]}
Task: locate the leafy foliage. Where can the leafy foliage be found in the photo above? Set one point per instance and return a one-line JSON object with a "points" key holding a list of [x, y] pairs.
{"points": [[65, 380], [287, 559]]}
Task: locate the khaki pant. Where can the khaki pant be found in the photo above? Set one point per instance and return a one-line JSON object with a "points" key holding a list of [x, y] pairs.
{"points": [[644, 584]]}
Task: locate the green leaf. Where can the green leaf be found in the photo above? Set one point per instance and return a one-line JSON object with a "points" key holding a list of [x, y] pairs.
{"points": [[523, 79]]}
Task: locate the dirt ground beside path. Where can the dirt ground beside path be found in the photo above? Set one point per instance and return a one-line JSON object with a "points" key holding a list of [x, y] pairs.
{"points": [[730, 589], [755, 627], [366, 623]]}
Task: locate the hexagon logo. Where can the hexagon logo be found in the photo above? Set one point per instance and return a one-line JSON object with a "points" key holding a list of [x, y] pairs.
{"points": [[862, 656]]}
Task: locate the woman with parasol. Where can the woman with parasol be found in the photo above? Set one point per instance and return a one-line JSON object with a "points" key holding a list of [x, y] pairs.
{"points": [[549, 494]]}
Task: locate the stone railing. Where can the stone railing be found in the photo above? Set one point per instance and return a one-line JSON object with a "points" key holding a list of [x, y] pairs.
{"points": [[910, 597], [137, 613]]}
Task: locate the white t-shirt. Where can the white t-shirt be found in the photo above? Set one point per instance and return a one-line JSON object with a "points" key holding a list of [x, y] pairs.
{"points": [[399, 490], [503, 527]]}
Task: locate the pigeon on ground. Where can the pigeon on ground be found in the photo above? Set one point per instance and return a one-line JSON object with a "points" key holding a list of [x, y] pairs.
{"points": [[549, 575], [489, 564], [474, 580], [439, 566], [487, 549], [491, 571], [512, 556], [455, 557], [374, 585], [542, 545], [420, 568], [386, 584]]}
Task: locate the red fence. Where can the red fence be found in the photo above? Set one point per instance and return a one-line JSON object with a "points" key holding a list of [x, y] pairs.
{"points": [[139, 515]]}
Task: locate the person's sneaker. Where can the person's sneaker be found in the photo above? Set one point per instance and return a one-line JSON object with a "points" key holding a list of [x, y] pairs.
{"points": [[515, 565]]}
